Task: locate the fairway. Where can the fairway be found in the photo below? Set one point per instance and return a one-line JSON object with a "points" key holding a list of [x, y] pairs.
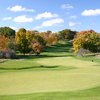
{"points": [[50, 75]]}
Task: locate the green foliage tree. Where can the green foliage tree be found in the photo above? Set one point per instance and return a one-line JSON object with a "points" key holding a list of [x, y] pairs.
{"points": [[66, 34], [7, 31]]}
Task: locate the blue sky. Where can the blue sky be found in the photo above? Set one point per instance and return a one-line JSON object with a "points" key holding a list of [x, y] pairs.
{"points": [[52, 15]]}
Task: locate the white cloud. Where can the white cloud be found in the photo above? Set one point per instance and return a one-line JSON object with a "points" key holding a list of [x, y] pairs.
{"points": [[66, 6], [71, 24], [19, 8], [50, 23], [46, 15], [91, 12], [6, 18], [22, 19], [73, 17]]}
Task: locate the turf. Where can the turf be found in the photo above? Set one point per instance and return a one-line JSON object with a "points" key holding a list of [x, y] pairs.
{"points": [[55, 75], [88, 94]]}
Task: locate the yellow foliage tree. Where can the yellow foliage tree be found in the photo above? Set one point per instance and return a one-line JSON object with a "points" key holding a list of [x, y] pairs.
{"points": [[23, 40]]}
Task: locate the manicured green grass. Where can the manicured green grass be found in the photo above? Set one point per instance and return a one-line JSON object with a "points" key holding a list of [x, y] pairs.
{"points": [[55, 75], [89, 94]]}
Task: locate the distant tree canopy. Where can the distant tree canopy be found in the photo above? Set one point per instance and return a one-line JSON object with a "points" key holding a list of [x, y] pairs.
{"points": [[49, 37], [66, 34], [89, 40], [7, 31]]}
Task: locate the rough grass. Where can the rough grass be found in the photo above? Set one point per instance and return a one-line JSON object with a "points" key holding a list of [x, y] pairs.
{"points": [[55, 75]]}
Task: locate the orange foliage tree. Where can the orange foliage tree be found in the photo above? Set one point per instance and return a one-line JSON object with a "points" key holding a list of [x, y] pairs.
{"points": [[37, 48]]}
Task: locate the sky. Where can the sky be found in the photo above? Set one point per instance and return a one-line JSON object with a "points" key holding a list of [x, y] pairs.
{"points": [[54, 15]]}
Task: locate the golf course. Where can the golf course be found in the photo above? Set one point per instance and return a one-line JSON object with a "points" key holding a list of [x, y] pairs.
{"points": [[56, 74]]}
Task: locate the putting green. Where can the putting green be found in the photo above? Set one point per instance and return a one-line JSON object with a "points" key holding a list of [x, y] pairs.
{"points": [[83, 75]]}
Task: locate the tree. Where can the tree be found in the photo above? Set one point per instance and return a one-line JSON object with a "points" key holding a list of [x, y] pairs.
{"points": [[37, 48], [89, 40], [7, 47], [23, 39], [49, 37], [11, 44], [40, 40], [52, 39], [7, 31], [66, 34]]}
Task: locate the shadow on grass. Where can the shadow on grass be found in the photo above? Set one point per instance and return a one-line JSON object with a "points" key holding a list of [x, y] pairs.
{"points": [[59, 50], [43, 56], [22, 68]]}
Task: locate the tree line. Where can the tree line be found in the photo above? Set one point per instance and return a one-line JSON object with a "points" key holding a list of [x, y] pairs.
{"points": [[34, 42]]}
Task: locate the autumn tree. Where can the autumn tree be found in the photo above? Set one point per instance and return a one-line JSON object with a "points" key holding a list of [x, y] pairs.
{"points": [[49, 37], [7, 47], [3, 42], [40, 40], [36, 47], [88, 40], [23, 39]]}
